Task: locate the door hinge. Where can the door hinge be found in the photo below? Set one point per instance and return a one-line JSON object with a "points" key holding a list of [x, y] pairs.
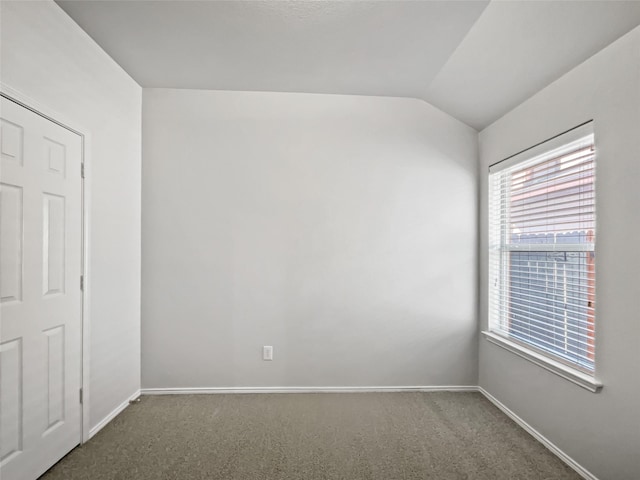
{"points": [[80, 395], [82, 170], [82, 283]]}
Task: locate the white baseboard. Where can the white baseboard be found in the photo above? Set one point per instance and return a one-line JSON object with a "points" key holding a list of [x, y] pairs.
{"points": [[583, 472], [103, 423], [219, 390]]}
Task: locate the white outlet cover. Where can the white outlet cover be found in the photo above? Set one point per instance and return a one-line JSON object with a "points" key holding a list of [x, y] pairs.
{"points": [[267, 352]]}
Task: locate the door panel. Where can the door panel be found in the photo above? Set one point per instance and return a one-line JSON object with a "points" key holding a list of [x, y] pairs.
{"points": [[11, 398], [53, 208], [11, 242], [40, 297]]}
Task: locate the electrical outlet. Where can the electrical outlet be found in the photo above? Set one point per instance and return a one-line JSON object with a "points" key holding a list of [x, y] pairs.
{"points": [[267, 352]]}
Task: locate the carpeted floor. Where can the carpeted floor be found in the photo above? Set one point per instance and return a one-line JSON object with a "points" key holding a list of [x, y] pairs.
{"points": [[386, 436]]}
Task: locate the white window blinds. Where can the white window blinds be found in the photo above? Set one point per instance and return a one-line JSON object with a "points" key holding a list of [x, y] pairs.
{"points": [[541, 248]]}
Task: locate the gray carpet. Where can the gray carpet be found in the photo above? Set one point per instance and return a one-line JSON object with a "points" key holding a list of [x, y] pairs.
{"points": [[386, 436]]}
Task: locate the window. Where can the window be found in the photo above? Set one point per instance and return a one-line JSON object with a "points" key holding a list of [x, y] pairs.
{"points": [[542, 249]]}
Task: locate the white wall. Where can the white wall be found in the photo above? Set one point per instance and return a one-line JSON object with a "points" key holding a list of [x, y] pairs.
{"points": [[339, 229], [47, 57], [599, 431]]}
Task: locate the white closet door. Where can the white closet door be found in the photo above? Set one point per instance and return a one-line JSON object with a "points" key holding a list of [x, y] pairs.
{"points": [[40, 296]]}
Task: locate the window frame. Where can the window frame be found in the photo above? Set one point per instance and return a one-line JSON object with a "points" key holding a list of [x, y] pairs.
{"points": [[553, 362]]}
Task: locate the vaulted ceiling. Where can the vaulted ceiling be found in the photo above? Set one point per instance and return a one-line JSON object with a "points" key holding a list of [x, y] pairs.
{"points": [[475, 60]]}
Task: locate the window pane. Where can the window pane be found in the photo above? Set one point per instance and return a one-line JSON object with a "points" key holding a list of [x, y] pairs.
{"points": [[542, 252]]}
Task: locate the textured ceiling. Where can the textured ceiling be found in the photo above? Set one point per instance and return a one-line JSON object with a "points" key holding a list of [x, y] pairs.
{"points": [[472, 59], [517, 48]]}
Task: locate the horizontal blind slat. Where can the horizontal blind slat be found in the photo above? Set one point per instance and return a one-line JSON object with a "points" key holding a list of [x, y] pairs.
{"points": [[548, 335]]}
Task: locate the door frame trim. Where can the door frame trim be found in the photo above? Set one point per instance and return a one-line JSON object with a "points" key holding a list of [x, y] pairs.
{"points": [[44, 111]]}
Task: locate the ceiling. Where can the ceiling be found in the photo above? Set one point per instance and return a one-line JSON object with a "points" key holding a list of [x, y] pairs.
{"points": [[473, 59]]}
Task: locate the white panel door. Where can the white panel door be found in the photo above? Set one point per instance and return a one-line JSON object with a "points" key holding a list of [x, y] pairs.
{"points": [[40, 296]]}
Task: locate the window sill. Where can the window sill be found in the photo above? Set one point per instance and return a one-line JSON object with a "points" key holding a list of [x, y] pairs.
{"points": [[573, 375]]}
